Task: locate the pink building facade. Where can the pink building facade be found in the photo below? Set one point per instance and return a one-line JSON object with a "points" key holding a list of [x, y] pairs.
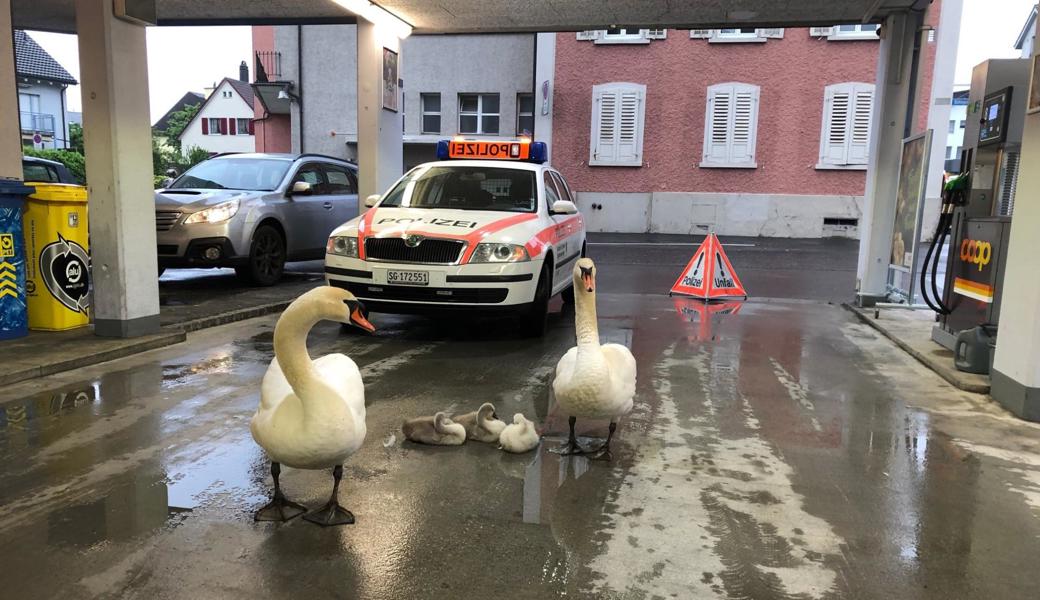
{"points": [[272, 131], [742, 132]]}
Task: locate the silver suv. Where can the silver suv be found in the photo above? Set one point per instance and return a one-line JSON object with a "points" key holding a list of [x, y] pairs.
{"points": [[254, 212]]}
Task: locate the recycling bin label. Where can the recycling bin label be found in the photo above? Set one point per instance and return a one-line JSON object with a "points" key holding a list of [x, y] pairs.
{"points": [[64, 269]]}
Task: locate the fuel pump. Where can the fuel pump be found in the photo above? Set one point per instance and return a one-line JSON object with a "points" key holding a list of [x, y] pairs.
{"points": [[977, 208]]}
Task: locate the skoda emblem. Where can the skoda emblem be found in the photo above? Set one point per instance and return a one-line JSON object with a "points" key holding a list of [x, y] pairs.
{"points": [[413, 241]]}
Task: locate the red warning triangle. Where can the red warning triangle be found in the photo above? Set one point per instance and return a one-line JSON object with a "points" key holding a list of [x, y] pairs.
{"points": [[709, 274]]}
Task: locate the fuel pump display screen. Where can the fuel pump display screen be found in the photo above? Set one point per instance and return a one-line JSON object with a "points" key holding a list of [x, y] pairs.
{"points": [[993, 126]]}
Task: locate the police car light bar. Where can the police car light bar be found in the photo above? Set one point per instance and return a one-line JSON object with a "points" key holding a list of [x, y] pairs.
{"points": [[525, 150]]}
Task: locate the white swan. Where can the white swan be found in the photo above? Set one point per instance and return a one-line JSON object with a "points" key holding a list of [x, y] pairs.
{"points": [[482, 424], [592, 380], [518, 437], [311, 413], [437, 430]]}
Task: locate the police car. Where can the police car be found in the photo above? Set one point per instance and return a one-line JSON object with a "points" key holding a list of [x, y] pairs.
{"points": [[488, 227]]}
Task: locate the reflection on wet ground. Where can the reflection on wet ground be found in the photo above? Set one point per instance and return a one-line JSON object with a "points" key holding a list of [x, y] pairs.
{"points": [[777, 450]]}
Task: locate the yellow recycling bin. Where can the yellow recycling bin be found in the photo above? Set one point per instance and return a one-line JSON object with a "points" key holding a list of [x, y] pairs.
{"points": [[58, 266]]}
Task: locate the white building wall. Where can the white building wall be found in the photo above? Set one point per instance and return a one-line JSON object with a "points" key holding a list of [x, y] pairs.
{"points": [[955, 139], [220, 107], [51, 103]]}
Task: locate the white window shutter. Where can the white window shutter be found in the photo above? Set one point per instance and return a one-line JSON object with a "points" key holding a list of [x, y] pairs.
{"points": [[847, 114], [656, 34], [777, 33], [589, 35], [702, 33], [742, 144], [630, 134], [859, 137], [834, 138], [617, 124], [716, 139], [604, 125], [731, 125], [820, 31]]}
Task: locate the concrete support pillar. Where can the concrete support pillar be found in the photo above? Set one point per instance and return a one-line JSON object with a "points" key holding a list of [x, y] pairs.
{"points": [[544, 82], [380, 144], [892, 95], [940, 103], [1016, 366], [117, 140], [10, 133]]}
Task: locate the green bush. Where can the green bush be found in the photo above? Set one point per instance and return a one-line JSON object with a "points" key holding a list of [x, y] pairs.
{"points": [[194, 156], [71, 159]]}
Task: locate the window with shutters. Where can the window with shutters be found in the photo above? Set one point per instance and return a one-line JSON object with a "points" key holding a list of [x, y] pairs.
{"points": [[741, 34], [617, 125], [731, 126], [622, 35], [242, 126], [849, 31], [845, 135], [213, 126]]}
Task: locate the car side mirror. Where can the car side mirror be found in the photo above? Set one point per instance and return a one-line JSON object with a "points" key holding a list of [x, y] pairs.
{"points": [[564, 207], [301, 188], [372, 200]]}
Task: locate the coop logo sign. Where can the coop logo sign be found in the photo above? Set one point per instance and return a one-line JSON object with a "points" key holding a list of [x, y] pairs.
{"points": [[976, 252]]}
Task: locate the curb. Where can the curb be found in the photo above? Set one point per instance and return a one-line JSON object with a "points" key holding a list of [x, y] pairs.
{"points": [[951, 378], [136, 347], [174, 333], [240, 314]]}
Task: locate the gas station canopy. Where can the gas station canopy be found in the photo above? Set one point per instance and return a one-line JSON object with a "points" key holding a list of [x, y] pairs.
{"points": [[475, 16]]}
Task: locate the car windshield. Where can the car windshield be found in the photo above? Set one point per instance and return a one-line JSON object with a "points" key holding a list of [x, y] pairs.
{"points": [[259, 174], [465, 188]]}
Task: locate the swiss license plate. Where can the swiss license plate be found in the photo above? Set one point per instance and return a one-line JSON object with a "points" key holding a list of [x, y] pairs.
{"points": [[408, 277]]}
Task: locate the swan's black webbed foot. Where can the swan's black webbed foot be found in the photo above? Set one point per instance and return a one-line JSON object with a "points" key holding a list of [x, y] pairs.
{"points": [[279, 509], [572, 446], [332, 513]]}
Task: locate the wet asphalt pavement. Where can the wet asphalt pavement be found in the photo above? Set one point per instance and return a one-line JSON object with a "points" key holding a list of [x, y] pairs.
{"points": [[777, 449]]}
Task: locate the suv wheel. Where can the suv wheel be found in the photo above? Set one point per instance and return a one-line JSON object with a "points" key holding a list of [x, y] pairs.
{"points": [[536, 320], [266, 257]]}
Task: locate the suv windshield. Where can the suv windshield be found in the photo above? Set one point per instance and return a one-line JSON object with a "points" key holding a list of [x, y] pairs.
{"points": [[465, 188], [258, 174]]}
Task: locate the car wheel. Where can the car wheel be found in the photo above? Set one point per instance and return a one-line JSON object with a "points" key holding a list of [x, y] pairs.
{"points": [[537, 319], [266, 257]]}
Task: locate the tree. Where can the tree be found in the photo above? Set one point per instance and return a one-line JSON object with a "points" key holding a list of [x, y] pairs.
{"points": [[176, 124], [76, 137]]}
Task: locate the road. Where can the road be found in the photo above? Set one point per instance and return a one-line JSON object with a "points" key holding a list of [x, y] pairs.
{"points": [[777, 450]]}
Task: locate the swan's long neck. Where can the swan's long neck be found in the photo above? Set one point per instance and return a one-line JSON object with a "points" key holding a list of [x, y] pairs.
{"points": [[585, 326], [290, 346]]}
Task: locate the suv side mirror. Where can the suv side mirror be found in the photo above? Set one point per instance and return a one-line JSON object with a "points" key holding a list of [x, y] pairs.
{"points": [[372, 200], [564, 207], [301, 188]]}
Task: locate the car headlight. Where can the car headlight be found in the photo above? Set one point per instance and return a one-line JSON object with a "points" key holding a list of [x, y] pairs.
{"points": [[342, 246], [499, 253], [214, 214]]}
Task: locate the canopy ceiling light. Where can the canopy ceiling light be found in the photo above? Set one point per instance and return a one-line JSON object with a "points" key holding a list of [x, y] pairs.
{"points": [[377, 15]]}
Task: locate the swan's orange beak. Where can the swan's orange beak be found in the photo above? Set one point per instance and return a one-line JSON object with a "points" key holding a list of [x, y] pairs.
{"points": [[358, 318], [587, 279]]}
